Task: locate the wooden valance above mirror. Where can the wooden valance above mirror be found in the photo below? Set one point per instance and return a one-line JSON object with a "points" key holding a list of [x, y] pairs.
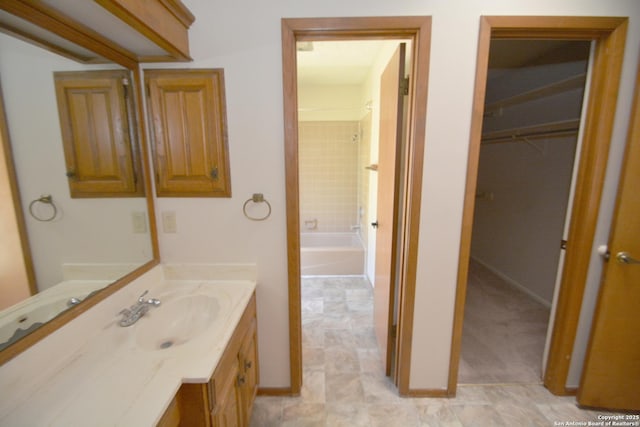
{"points": [[124, 31]]}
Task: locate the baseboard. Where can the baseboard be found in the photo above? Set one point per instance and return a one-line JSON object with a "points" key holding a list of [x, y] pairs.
{"points": [[426, 392], [569, 391], [513, 282], [276, 391], [329, 276]]}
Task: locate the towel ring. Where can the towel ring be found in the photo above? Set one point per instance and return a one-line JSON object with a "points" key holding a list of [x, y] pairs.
{"points": [[48, 200], [256, 198]]}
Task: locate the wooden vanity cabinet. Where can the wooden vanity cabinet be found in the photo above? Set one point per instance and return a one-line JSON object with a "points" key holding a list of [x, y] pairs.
{"points": [[227, 399]]}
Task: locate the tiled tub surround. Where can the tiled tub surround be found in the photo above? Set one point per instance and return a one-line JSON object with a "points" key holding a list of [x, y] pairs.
{"points": [[329, 175], [94, 372]]}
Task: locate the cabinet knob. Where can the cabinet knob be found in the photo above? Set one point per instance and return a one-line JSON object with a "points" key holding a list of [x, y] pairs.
{"points": [[247, 364], [241, 380]]}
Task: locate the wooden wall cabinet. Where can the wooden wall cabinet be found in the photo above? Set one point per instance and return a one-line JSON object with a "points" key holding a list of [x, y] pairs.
{"points": [[187, 117], [227, 399], [96, 120]]}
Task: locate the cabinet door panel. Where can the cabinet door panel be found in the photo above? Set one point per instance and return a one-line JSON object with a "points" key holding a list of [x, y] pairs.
{"points": [[248, 358], [187, 110], [227, 411], [94, 118]]}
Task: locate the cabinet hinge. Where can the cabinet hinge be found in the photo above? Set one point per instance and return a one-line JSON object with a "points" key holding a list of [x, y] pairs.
{"points": [[563, 244], [404, 86]]}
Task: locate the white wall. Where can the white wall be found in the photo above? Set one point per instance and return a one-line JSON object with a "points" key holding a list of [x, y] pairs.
{"points": [[519, 222], [517, 231], [244, 38], [86, 230]]}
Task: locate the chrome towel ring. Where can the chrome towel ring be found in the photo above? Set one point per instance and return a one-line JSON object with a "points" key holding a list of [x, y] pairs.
{"points": [[257, 198], [47, 200]]}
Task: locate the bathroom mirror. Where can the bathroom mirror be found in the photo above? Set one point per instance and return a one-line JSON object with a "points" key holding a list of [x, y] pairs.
{"points": [[78, 246]]}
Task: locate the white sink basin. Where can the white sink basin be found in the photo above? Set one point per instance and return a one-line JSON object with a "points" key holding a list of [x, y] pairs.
{"points": [[176, 321], [36, 314]]}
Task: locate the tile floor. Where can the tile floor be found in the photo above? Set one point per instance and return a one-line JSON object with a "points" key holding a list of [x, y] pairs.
{"points": [[344, 384]]}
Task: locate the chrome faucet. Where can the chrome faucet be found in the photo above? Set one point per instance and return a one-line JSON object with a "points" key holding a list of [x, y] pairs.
{"points": [[73, 301], [132, 314]]}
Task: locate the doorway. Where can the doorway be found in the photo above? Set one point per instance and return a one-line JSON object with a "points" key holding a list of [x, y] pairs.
{"points": [[350, 118], [417, 30], [532, 113], [337, 140], [608, 35]]}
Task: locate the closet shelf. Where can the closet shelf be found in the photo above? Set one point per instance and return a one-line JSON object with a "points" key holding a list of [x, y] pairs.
{"points": [[571, 83], [544, 130]]}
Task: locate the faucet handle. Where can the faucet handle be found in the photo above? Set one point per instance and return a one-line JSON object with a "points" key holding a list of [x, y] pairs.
{"points": [[151, 301], [141, 297]]}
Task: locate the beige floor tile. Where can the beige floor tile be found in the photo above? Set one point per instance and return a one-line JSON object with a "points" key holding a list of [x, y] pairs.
{"points": [[344, 383]]}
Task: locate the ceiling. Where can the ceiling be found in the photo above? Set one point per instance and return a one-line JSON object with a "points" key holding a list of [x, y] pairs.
{"points": [[337, 63], [520, 53], [348, 62]]}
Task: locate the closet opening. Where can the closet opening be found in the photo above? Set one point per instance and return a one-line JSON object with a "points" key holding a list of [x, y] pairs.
{"points": [[526, 178]]}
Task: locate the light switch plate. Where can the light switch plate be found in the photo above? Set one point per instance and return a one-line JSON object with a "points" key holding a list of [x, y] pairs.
{"points": [[169, 222], [139, 220]]}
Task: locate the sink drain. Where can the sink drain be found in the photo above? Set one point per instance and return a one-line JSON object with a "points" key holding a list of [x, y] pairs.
{"points": [[166, 344]]}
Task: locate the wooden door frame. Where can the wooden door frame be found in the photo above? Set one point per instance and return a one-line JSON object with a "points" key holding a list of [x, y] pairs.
{"points": [[609, 35], [418, 29]]}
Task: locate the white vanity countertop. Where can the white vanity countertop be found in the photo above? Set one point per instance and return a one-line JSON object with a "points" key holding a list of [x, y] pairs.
{"points": [[94, 372]]}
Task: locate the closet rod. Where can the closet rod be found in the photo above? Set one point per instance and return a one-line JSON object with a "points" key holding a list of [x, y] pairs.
{"points": [[548, 130]]}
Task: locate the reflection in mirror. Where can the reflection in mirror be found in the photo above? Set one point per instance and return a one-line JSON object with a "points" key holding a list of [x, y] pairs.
{"points": [[77, 245]]}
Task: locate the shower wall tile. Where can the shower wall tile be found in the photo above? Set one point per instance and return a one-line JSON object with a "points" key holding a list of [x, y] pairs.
{"points": [[328, 159], [364, 176]]}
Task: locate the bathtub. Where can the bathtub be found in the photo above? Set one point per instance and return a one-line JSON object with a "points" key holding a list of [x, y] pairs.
{"points": [[331, 254]]}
